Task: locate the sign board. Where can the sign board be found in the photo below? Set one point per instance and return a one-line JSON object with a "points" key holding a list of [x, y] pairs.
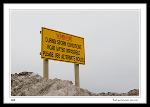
{"points": [[60, 46]]}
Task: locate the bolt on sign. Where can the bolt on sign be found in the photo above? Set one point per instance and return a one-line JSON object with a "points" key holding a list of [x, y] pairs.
{"points": [[60, 46]]}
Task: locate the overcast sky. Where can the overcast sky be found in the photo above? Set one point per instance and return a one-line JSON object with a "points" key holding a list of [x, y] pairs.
{"points": [[111, 40]]}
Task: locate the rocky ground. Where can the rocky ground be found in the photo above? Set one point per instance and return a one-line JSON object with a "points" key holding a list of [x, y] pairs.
{"points": [[32, 84]]}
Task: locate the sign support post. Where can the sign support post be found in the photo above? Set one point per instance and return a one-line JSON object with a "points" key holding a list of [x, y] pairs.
{"points": [[76, 70], [45, 68]]}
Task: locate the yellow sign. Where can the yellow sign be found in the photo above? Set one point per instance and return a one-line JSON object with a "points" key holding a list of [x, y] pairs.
{"points": [[56, 45]]}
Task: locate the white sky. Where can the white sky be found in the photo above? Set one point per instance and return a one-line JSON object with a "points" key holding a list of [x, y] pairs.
{"points": [[111, 46]]}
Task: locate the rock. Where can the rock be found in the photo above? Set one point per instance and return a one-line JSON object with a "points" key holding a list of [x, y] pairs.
{"points": [[134, 92], [32, 84]]}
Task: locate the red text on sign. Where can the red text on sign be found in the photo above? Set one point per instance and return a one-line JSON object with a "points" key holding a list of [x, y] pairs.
{"points": [[64, 37]]}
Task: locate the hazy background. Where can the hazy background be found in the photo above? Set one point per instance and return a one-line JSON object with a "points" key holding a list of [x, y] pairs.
{"points": [[111, 40]]}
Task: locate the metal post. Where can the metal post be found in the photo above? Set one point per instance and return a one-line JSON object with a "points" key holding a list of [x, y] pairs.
{"points": [[76, 69], [45, 68]]}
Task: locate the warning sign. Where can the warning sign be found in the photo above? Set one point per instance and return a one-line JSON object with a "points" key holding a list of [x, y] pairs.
{"points": [[60, 46]]}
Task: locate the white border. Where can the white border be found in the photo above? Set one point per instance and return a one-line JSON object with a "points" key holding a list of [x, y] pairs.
{"points": [[7, 99], [75, 6]]}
